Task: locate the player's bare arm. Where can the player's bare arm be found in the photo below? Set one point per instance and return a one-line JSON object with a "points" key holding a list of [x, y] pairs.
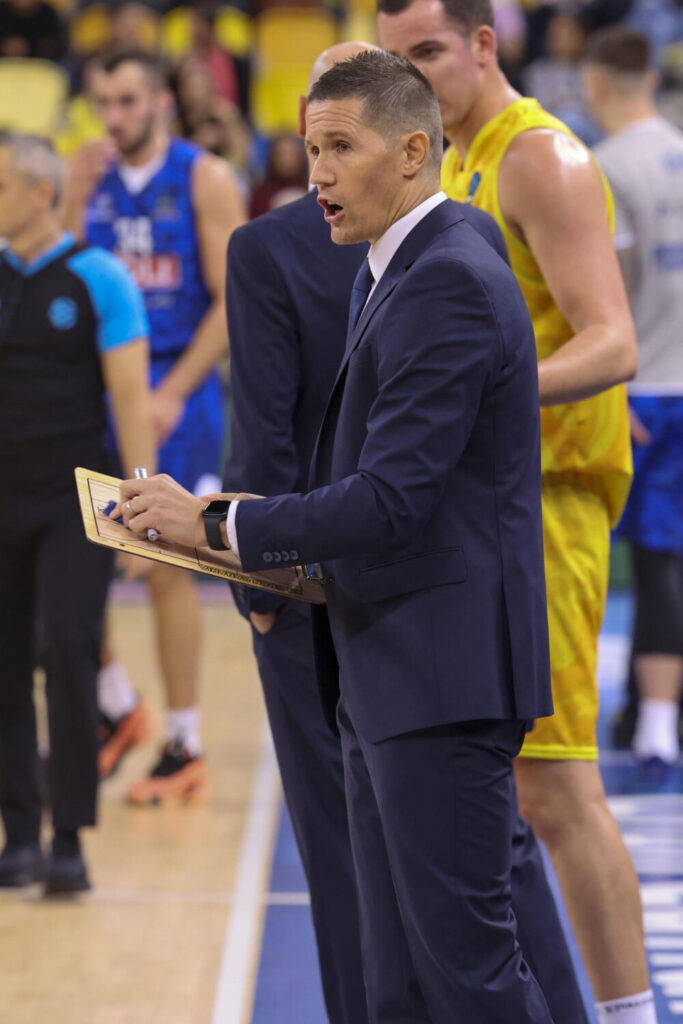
{"points": [[552, 197], [126, 372], [219, 209]]}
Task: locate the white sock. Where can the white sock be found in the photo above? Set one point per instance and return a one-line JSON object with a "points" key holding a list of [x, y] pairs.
{"points": [[637, 1009], [182, 726], [115, 695], [657, 729]]}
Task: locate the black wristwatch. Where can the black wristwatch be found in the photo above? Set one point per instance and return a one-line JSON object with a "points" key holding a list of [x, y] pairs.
{"points": [[215, 513]]}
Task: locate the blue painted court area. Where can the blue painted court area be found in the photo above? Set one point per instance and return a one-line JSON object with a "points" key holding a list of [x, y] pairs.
{"points": [[288, 989]]}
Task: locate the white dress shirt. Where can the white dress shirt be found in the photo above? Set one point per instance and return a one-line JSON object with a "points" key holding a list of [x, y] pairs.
{"points": [[385, 248], [379, 258]]}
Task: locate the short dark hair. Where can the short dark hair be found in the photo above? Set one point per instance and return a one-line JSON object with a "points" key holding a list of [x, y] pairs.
{"points": [[396, 97], [619, 49], [153, 66], [469, 14]]}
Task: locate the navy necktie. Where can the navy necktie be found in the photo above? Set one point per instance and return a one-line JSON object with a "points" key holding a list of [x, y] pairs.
{"points": [[359, 294]]}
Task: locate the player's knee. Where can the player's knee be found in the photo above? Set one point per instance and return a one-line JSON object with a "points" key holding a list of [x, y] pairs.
{"points": [[547, 817], [561, 801]]}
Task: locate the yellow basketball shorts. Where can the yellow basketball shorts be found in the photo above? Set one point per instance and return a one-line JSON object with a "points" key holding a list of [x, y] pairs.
{"points": [[576, 536]]}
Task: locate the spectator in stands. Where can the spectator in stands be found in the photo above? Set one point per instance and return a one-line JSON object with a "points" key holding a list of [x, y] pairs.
{"points": [[555, 80], [207, 50], [207, 119], [511, 32], [596, 14], [286, 172], [134, 26], [661, 21], [31, 28]]}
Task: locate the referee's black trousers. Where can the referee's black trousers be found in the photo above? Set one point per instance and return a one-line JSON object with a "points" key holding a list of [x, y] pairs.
{"points": [[49, 571]]}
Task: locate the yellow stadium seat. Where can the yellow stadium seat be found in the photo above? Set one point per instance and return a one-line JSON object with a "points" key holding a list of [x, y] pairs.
{"points": [[292, 36], [363, 7], [275, 98], [235, 31], [360, 26], [176, 32], [33, 94], [90, 29], [82, 125]]}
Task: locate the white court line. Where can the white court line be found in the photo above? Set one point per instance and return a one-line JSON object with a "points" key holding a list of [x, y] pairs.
{"points": [[288, 899], [236, 979]]}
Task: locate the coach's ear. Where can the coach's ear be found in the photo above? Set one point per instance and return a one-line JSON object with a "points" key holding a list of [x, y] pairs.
{"points": [[302, 117]]}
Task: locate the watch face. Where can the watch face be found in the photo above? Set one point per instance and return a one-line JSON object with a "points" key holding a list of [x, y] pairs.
{"points": [[216, 508]]}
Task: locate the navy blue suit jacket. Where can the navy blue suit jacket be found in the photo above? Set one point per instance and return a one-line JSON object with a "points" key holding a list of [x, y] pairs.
{"points": [[288, 289], [426, 510]]}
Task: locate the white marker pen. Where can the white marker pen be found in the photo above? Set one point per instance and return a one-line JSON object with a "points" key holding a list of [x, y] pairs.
{"points": [[141, 474]]}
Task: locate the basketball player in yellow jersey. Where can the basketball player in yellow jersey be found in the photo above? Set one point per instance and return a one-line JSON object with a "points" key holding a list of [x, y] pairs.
{"points": [[511, 158]]}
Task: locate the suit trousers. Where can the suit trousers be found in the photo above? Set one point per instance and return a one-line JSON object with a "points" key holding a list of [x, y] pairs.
{"points": [[49, 570], [309, 756], [431, 821]]}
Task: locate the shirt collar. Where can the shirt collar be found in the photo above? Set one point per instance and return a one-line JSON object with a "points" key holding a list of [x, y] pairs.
{"points": [[29, 269], [382, 252]]}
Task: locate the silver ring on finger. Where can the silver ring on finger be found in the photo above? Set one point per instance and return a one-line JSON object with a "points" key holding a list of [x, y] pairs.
{"points": [[129, 508]]}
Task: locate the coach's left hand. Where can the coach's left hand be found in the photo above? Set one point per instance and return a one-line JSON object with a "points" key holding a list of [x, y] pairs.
{"points": [[160, 503]]}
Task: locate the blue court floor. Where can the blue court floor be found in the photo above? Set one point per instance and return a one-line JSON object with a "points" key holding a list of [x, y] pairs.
{"points": [[288, 989]]}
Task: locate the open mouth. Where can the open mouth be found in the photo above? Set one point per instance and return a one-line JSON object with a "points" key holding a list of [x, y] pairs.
{"points": [[333, 211]]}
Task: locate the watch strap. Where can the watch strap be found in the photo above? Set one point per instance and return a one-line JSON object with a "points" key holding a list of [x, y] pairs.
{"points": [[212, 525]]}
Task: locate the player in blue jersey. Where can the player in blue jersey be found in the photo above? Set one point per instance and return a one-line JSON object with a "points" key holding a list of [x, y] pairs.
{"points": [[167, 209]]}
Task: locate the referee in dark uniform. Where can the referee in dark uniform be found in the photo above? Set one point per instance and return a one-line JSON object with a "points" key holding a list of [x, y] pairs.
{"points": [[72, 322]]}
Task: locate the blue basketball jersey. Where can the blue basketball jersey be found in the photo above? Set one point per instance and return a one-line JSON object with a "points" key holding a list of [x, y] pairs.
{"points": [[154, 233]]}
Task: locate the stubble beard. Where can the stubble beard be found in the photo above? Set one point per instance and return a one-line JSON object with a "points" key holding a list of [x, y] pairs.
{"points": [[141, 141]]}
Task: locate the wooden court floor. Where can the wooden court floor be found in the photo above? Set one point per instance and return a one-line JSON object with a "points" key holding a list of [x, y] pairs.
{"points": [[145, 946]]}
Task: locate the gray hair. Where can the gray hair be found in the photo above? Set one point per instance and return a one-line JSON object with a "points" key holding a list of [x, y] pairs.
{"points": [[34, 157]]}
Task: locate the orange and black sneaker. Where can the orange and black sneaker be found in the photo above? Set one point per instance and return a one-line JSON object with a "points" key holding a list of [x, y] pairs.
{"points": [[177, 778], [118, 736]]}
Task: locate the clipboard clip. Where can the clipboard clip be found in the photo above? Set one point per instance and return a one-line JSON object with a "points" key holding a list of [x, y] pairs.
{"points": [[313, 573]]}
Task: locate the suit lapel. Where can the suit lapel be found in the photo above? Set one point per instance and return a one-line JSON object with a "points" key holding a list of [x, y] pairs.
{"points": [[436, 221], [385, 286]]}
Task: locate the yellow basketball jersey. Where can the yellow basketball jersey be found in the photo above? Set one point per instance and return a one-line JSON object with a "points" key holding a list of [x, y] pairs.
{"points": [[591, 436]]}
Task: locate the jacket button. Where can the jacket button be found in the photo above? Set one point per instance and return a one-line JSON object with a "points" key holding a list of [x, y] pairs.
{"points": [[276, 556], [294, 555], [284, 555], [267, 556]]}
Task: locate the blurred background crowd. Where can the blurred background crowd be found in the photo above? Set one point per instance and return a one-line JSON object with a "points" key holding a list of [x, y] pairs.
{"points": [[238, 69]]}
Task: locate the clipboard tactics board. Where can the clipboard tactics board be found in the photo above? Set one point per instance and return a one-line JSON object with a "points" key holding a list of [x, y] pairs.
{"points": [[96, 491]]}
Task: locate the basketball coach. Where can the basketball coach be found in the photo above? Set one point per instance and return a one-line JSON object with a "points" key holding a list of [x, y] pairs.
{"points": [[424, 510]]}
